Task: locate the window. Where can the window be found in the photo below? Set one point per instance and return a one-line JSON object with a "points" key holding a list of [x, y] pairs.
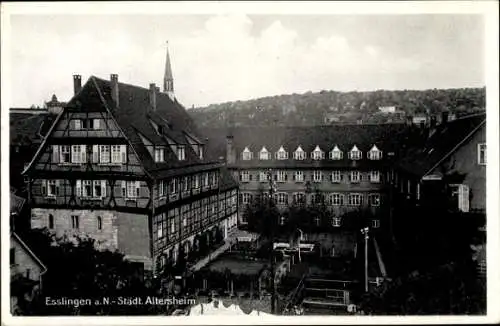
{"points": [[317, 176], [97, 124], [75, 221], [244, 176], [159, 232], [246, 198], [104, 156], [196, 181], [281, 198], [299, 198], [264, 154], [263, 176], [116, 154], [246, 155], [299, 154], [87, 188], [52, 188], [172, 186], [77, 124], [375, 224], [374, 153], [12, 256], [99, 188], [336, 154], [317, 154], [355, 153], [201, 151], [99, 223], [336, 199], [316, 198], [336, 222], [481, 154], [281, 176], [355, 199], [159, 155], [162, 189], [131, 189], [336, 176], [181, 152], [355, 176], [78, 153], [317, 220], [205, 179], [65, 154], [374, 176], [185, 184], [374, 199], [281, 154], [51, 221], [299, 176], [282, 219]]}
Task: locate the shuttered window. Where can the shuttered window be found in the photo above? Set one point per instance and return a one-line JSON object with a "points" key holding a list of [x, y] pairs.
{"points": [[463, 198]]}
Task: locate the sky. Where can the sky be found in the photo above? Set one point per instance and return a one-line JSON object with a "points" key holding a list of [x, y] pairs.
{"points": [[228, 57]]}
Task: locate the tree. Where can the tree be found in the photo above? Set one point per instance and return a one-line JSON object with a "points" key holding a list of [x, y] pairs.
{"points": [[77, 270]]}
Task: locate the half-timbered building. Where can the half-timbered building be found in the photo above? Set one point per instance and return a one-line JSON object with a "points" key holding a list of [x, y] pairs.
{"points": [[125, 165]]}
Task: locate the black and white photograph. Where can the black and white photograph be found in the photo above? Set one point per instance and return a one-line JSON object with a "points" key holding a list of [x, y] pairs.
{"points": [[262, 163]]}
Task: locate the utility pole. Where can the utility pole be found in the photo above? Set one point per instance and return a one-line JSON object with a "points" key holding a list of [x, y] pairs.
{"points": [[272, 190], [365, 232]]}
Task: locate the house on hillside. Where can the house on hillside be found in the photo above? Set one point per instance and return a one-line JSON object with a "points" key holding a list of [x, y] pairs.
{"points": [[126, 166]]}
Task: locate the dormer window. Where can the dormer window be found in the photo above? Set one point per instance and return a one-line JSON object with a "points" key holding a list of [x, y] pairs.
{"points": [[336, 154], [246, 155], [281, 154], [264, 154], [159, 154], [299, 154], [317, 154], [181, 152], [355, 153], [374, 153], [200, 149]]}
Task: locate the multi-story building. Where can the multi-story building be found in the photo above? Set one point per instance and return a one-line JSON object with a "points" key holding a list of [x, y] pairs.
{"points": [[346, 167], [125, 165]]}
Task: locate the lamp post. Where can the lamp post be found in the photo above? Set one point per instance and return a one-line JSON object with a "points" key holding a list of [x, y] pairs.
{"points": [[365, 232], [272, 190], [300, 237]]}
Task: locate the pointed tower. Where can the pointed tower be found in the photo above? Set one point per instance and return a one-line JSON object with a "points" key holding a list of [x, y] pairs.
{"points": [[168, 79]]}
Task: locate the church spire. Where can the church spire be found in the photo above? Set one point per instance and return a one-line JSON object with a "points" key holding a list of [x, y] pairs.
{"points": [[168, 79]]}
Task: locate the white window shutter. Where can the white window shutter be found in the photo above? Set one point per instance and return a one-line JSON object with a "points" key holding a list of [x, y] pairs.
{"points": [[137, 188], [463, 198], [95, 153], [123, 153], [97, 123], [58, 183], [84, 154], [73, 153], [55, 153], [78, 188], [103, 188], [44, 187], [78, 124]]}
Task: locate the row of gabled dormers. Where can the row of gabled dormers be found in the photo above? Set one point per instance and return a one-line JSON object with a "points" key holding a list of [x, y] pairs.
{"points": [[317, 154]]}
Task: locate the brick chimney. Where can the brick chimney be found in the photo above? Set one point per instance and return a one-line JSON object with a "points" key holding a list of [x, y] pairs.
{"points": [[153, 90], [114, 89], [230, 153], [77, 84]]}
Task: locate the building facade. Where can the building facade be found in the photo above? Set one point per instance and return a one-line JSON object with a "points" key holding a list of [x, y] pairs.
{"points": [[125, 166], [346, 168]]}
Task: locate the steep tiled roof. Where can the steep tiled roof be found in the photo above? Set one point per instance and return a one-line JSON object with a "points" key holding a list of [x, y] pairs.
{"points": [[420, 160], [386, 137], [26, 129], [134, 116]]}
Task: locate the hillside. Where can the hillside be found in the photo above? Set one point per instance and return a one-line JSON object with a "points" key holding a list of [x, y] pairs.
{"points": [[327, 107]]}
